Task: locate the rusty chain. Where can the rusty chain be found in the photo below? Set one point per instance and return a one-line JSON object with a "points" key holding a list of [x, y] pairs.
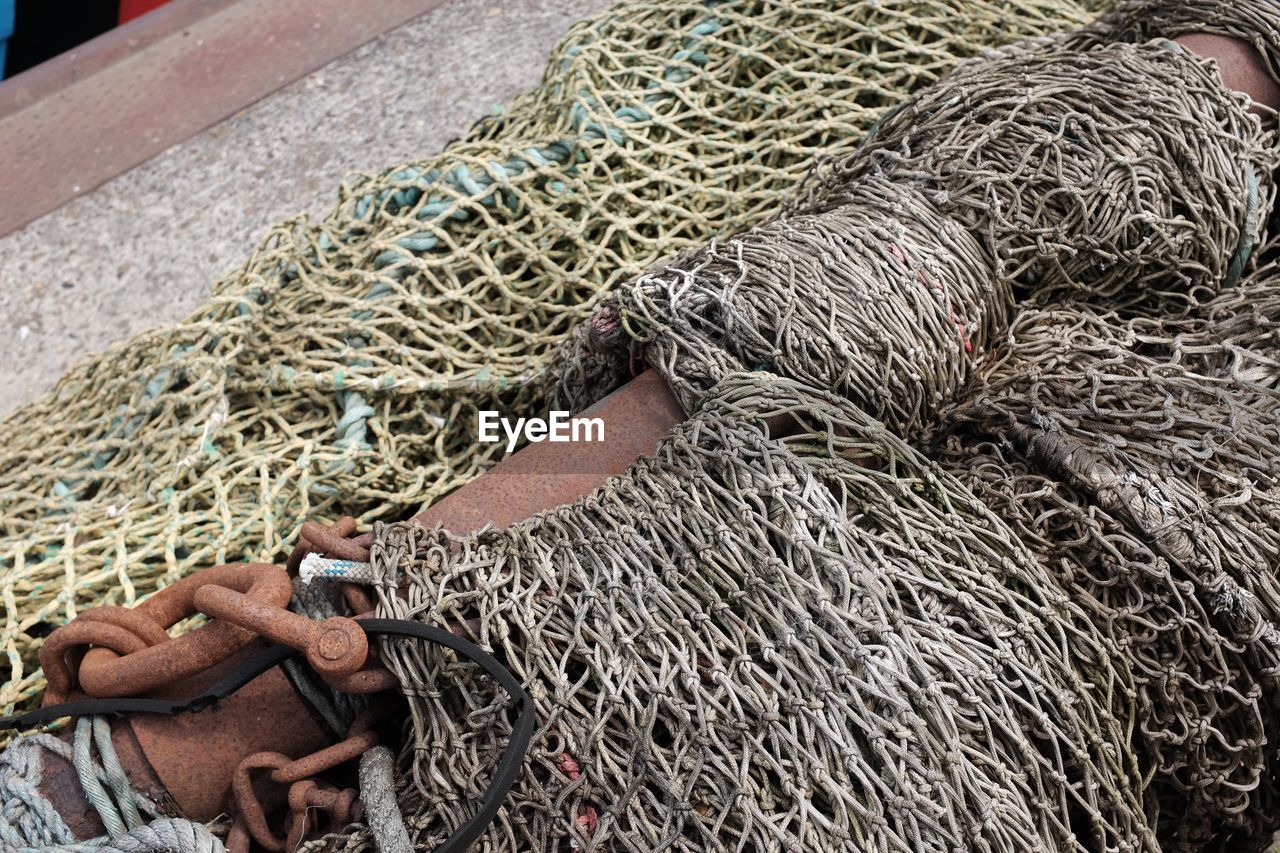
{"points": [[122, 652], [108, 652], [113, 652], [305, 791]]}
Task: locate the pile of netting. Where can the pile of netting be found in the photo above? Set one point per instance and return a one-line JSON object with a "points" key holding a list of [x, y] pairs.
{"points": [[339, 369], [972, 539], [1139, 462], [752, 642]]}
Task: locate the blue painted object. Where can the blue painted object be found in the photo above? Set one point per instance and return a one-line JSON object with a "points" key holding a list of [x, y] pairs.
{"points": [[6, 29]]}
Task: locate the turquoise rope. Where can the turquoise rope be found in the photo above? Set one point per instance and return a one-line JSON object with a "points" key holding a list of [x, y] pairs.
{"points": [[489, 188], [1250, 232]]}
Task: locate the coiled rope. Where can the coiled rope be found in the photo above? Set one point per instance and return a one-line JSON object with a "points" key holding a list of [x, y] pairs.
{"points": [[30, 824]]}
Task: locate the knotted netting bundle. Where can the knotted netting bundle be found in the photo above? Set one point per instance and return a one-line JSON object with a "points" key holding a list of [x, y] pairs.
{"points": [[1049, 173], [339, 370], [1120, 173], [1142, 20], [751, 642], [884, 299], [761, 639], [1138, 460]]}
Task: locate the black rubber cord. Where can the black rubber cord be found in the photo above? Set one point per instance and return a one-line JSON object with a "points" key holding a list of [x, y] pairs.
{"points": [[508, 769], [247, 671]]}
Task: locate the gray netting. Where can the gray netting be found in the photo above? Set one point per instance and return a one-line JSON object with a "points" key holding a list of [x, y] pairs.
{"points": [[339, 368], [1049, 172], [883, 299], [751, 642], [1121, 173], [1139, 462], [1254, 21], [812, 640]]}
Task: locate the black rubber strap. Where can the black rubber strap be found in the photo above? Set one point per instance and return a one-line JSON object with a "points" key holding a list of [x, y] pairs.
{"points": [[247, 671], [505, 773], [508, 769]]}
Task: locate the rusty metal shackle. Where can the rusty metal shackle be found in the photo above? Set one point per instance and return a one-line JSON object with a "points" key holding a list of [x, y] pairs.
{"points": [[335, 647], [132, 652], [128, 651]]}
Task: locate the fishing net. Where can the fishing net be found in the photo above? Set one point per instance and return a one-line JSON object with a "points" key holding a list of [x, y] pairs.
{"points": [[1142, 20], [338, 370], [787, 630], [1045, 173], [752, 642], [884, 299], [1138, 462]]}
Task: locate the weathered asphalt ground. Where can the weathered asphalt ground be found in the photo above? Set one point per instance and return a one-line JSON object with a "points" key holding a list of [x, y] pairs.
{"points": [[144, 248]]}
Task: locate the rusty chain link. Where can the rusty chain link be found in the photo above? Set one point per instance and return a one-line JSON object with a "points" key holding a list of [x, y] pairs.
{"points": [[113, 652], [305, 792], [108, 652], [117, 654]]}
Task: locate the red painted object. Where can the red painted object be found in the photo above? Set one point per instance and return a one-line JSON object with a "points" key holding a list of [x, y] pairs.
{"points": [[130, 9]]}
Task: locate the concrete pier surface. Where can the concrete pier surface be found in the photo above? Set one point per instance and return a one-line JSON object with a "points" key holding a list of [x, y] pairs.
{"points": [[144, 248]]}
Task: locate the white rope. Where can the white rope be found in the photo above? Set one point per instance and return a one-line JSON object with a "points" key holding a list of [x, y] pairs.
{"points": [[30, 824], [164, 835], [315, 566], [381, 811]]}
